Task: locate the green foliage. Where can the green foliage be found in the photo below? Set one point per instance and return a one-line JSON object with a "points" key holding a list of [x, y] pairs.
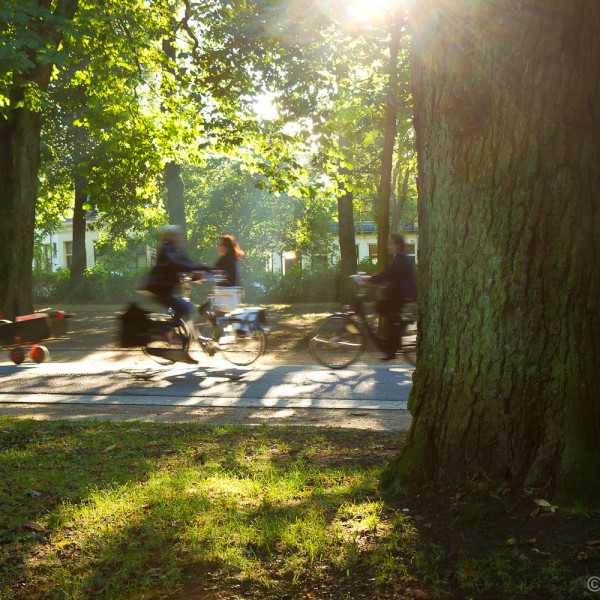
{"points": [[50, 286], [367, 265], [98, 284], [222, 199], [319, 284]]}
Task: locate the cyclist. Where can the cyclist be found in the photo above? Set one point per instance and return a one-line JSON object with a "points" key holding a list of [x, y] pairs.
{"points": [[230, 255], [398, 285], [228, 265], [170, 263]]}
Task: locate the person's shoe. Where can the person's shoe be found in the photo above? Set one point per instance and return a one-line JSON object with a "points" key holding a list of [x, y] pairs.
{"points": [[387, 357]]}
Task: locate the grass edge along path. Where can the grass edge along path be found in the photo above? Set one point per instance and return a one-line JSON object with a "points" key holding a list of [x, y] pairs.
{"points": [[180, 511]]}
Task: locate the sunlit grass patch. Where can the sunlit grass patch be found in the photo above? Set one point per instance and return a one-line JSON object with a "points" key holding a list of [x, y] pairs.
{"points": [[113, 510]]}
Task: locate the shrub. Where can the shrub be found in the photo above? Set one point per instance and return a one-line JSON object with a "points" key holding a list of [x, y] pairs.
{"points": [[367, 265], [320, 284], [49, 286], [97, 284]]}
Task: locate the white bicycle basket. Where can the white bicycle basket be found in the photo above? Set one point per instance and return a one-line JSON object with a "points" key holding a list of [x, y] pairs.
{"points": [[227, 298]]}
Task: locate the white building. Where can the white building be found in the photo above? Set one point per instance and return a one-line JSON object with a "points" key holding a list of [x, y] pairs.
{"points": [[366, 246], [57, 248]]}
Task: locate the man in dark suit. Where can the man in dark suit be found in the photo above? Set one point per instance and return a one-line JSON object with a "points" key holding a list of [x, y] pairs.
{"points": [[399, 285]]}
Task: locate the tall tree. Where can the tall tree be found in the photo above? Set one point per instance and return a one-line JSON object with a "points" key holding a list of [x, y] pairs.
{"points": [[507, 114], [384, 191], [172, 171], [31, 35]]}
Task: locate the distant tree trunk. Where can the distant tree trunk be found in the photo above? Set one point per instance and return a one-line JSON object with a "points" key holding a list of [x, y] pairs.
{"points": [[507, 116], [348, 258], [384, 191], [400, 203], [79, 257], [20, 130], [175, 196], [346, 234], [172, 170]]}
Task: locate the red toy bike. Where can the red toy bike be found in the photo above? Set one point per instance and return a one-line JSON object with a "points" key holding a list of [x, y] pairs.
{"points": [[22, 336]]}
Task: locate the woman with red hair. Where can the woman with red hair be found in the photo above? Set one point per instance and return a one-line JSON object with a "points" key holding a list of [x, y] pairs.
{"points": [[230, 255]]}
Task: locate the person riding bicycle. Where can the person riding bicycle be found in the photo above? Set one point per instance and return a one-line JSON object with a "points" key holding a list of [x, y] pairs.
{"points": [[399, 285], [228, 264], [164, 277], [230, 255]]}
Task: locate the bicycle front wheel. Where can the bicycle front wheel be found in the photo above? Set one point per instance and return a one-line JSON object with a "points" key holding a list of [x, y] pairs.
{"points": [[242, 343], [336, 342]]}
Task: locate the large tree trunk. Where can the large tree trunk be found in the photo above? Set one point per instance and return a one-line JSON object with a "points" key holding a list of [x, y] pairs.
{"points": [[19, 162], [20, 129], [507, 116], [384, 191]]}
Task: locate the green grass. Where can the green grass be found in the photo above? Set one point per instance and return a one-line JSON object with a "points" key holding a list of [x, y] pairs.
{"points": [[102, 510], [131, 507]]}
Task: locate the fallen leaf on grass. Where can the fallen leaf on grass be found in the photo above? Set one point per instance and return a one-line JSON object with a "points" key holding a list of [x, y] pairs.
{"points": [[593, 543], [582, 556], [34, 526], [545, 505], [112, 448], [470, 572]]}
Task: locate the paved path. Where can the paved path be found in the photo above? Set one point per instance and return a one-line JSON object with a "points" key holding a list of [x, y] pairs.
{"points": [[289, 386]]}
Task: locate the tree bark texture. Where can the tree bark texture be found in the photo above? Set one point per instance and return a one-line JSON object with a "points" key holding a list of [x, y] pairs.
{"points": [[19, 163], [20, 128], [507, 117]]}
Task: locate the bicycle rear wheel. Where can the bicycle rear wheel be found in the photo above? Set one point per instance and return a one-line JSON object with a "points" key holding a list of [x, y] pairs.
{"points": [[408, 350], [242, 343], [336, 342], [167, 341]]}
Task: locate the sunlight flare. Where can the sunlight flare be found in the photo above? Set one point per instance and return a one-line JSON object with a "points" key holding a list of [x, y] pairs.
{"points": [[371, 11]]}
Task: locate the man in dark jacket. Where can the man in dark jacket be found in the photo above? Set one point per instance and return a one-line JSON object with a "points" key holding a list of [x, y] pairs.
{"points": [[399, 284], [170, 263]]}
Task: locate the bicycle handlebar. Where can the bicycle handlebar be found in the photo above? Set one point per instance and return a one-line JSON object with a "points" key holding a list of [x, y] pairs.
{"points": [[203, 278]]}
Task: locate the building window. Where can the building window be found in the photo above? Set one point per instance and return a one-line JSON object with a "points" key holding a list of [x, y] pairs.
{"points": [[373, 252], [99, 252], [291, 260], [411, 250], [137, 258], [320, 257], [68, 254]]}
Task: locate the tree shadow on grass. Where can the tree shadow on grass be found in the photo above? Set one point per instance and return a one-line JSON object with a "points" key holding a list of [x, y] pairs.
{"points": [[129, 508]]}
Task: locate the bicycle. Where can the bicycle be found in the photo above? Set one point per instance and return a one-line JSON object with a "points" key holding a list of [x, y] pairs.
{"points": [[240, 334], [339, 339]]}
